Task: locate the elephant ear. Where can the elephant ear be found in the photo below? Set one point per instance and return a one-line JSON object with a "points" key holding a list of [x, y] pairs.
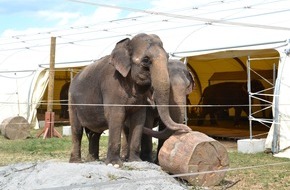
{"points": [[120, 57], [191, 86]]}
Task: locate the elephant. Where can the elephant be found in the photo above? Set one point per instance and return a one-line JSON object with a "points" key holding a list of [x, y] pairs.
{"points": [[222, 96], [63, 96], [181, 84], [105, 93]]}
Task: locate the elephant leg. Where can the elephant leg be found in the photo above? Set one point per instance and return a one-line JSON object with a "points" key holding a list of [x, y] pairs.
{"points": [[114, 146], [94, 139], [135, 134], [238, 112], [146, 141], [124, 144], [77, 134], [201, 118], [146, 148], [116, 118], [61, 115], [212, 117]]}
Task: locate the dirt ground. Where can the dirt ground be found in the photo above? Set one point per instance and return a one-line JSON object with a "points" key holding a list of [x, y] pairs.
{"points": [[230, 145]]}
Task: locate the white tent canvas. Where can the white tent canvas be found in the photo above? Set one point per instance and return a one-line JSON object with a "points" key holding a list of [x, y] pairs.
{"points": [[278, 138], [187, 29]]}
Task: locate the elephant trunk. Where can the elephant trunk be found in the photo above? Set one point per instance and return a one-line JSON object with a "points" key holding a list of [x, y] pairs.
{"points": [[164, 134], [161, 85]]}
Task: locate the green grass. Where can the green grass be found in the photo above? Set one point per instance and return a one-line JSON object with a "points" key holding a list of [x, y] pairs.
{"points": [[265, 177], [39, 149], [258, 171]]}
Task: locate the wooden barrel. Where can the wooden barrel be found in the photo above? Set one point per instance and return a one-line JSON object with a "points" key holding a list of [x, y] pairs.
{"points": [[195, 153], [15, 128]]}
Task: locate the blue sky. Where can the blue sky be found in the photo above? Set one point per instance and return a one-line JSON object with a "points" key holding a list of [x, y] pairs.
{"points": [[183, 25], [23, 14]]}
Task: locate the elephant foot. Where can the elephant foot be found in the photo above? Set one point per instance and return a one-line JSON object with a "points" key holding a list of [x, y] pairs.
{"points": [[91, 158], [124, 158], [146, 157], [133, 158], [114, 162], [75, 160]]}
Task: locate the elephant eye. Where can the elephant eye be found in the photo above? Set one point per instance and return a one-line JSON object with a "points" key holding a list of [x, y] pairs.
{"points": [[146, 62]]}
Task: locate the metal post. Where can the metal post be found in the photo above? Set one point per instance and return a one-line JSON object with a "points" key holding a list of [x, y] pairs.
{"points": [[249, 92], [276, 119], [185, 107]]}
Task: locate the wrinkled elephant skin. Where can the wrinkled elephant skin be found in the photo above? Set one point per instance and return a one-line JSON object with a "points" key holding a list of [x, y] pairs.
{"points": [[181, 84], [64, 101], [100, 95]]}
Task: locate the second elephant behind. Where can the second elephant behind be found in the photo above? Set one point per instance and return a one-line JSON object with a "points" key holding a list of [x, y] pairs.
{"points": [[181, 84], [225, 95]]}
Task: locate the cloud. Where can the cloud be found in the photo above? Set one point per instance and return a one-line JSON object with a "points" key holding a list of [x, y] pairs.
{"points": [[165, 5], [20, 6], [61, 18], [100, 14]]}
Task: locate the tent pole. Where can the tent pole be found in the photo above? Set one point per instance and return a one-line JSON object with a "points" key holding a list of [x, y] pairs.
{"points": [[49, 131], [185, 107], [249, 92], [276, 119]]}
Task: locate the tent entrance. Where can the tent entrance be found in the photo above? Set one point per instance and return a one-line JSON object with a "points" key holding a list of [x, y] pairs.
{"points": [[232, 66], [62, 76]]}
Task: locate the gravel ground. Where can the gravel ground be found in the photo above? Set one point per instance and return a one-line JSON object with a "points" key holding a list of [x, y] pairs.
{"points": [[94, 175]]}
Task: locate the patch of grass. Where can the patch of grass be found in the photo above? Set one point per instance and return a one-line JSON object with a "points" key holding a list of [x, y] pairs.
{"points": [[246, 176], [39, 149], [257, 171]]}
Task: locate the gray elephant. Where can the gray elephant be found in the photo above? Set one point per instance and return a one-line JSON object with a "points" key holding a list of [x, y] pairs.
{"points": [[181, 84], [63, 97], [104, 94], [218, 97]]}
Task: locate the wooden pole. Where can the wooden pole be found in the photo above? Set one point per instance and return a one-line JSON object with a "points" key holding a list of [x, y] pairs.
{"points": [[49, 131], [51, 75]]}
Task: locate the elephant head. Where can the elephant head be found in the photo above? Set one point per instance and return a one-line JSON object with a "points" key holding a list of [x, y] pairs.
{"points": [[181, 85], [144, 58]]}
